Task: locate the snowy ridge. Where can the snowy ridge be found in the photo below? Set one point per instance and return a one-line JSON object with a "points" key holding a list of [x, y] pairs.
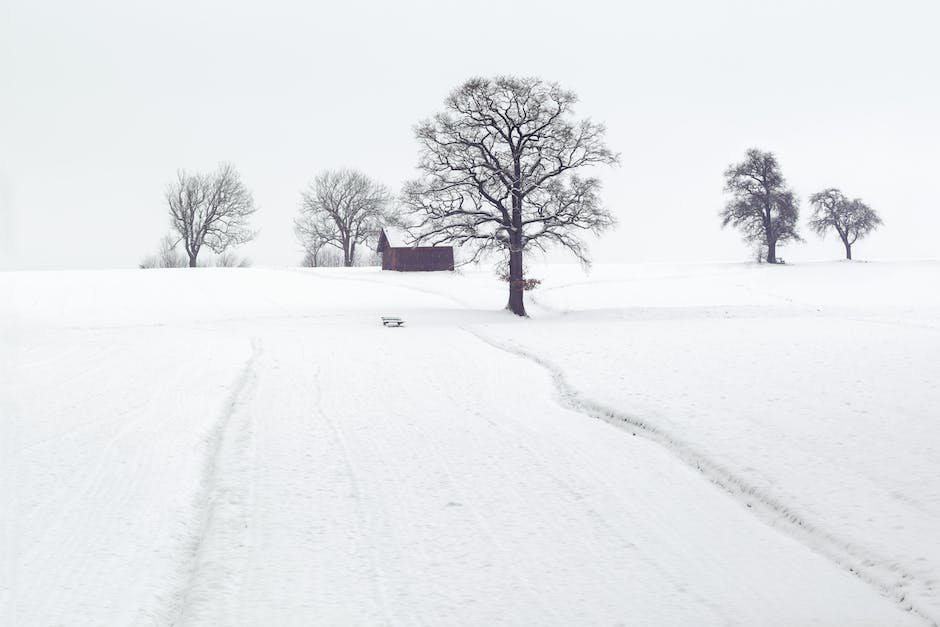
{"points": [[223, 503], [887, 577]]}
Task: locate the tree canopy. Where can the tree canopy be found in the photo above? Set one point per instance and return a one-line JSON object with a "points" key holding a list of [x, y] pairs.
{"points": [[500, 173], [342, 209], [850, 219], [210, 210], [762, 207]]}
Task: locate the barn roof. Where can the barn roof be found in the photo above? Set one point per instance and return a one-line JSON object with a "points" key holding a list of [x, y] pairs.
{"points": [[391, 237], [396, 238]]}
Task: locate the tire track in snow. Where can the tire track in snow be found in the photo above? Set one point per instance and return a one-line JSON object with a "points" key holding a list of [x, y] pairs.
{"points": [[364, 522], [574, 496], [482, 520], [890, 579], [223, 509]]}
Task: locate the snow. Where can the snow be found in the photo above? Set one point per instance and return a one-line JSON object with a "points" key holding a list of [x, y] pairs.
{"points": [[667, 445], [396, 237]]}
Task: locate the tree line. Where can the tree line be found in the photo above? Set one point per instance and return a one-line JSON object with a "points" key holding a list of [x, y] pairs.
{"points": [[503, 169], [767, 211]]}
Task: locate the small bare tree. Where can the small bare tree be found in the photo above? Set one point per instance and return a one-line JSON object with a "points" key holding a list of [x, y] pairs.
{"points": [[499, 168], [167, 256], [229, 259], [326, 258], [210, 210], [311, 259], [761, 206], [341, 209], [851, 219], [313, 243]]}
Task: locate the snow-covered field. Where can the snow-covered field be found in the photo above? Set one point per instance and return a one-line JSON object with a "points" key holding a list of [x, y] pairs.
{"points": [[656, 445]]}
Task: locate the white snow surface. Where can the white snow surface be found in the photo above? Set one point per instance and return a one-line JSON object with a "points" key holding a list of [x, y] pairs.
{"points": [[655, 445], [396, 237]]}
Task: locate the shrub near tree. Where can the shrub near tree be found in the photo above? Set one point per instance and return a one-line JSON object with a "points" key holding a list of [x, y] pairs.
{"points": [[167, 256], [762, 207], [850, 219]]}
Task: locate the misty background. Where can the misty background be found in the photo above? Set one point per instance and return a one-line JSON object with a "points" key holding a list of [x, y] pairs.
{"points": [[102, 102]]}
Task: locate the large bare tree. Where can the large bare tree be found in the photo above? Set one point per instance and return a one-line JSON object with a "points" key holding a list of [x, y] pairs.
{"points": [[499, 169], [762, 207], [210, 210], [851, 219], [342, 209]]}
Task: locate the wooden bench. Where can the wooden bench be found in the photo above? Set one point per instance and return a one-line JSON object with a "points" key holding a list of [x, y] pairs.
{"points": [[388, 321]]}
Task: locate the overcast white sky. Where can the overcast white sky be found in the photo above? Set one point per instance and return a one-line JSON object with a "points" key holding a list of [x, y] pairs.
{"points": [[102, 101]]}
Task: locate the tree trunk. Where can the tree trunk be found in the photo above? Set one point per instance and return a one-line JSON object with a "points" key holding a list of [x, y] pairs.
{"points": [[772, 252], [848, 250], [516, 284], [192, 261], [768, 221], [516, 302], [350, 253]]}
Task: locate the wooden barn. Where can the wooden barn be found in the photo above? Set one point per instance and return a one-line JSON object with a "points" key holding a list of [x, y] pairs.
{"points": [[396, 255]]}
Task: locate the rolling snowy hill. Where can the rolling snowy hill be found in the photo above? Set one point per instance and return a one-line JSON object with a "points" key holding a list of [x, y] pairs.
{"points": [[656, 445]]}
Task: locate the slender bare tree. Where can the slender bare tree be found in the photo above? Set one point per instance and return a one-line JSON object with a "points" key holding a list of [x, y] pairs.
{"points": [[229, 259], [851, 219], [307, 230], [167, 256], [210, 210], [499, 174], [343, 209], [761, 206]]}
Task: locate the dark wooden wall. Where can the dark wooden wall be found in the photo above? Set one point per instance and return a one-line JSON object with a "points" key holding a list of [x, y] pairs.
{"points": [[421, 259]]}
